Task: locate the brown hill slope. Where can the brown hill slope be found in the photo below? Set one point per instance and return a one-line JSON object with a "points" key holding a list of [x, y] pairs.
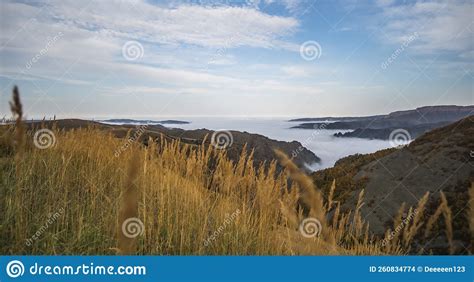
{"points": [[440, 160]]}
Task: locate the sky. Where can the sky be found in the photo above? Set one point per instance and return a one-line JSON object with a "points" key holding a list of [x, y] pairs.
{"points": [[246, 58]]}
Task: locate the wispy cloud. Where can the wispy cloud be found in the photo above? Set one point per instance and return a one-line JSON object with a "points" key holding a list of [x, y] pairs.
{"points": [[441, 25], [198, 25]]}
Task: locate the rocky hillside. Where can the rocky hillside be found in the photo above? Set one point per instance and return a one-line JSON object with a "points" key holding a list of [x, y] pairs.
{"points": [[416, 122], [440, 160]]}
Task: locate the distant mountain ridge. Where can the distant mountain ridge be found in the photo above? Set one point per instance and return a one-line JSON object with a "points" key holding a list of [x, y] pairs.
{"points": [[334, 118], [433, 114], [416, 122], [261, 145], [147, 121], [424, 109]]}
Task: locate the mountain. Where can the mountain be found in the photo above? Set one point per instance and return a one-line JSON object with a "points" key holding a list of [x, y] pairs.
{"points": [[334, 118], [432, 114], [416, 122], [440, 160], [384, 133], [351, 124], [134, 121], [261, 145]]}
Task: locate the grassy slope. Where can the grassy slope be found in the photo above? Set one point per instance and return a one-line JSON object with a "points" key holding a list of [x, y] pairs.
{"points": [[174, 192], [344, 171], [180, 201]]}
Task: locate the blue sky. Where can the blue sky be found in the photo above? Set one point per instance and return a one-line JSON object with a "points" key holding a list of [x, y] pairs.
{"points": [[248, 58]]}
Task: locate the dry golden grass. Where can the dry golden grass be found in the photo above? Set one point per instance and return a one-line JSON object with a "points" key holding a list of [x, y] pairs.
{"points": [[471, 212], [171, 190], [186, 208]]}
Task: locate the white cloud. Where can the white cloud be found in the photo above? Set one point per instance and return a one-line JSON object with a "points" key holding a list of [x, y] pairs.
{"points": [[383, 3], [90, 48], [222, 26], [468, 55], [441, 25], [95, 33], [295, 71], [294, 7]]}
